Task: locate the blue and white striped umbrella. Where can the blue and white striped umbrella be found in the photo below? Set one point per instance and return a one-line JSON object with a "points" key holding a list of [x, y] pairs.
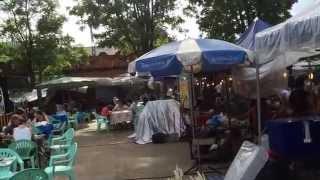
{"points": [[205, 55]]}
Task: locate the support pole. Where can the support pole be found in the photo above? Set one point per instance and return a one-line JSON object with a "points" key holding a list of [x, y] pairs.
{"points": [[258, 96], [39, 95], [194, 121]]}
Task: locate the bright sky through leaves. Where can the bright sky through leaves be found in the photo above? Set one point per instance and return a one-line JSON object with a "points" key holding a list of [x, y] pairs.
{"points": [[83, 37]]}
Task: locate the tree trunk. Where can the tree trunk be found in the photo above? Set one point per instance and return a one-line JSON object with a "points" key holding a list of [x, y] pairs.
{"points": [[4, 86]]}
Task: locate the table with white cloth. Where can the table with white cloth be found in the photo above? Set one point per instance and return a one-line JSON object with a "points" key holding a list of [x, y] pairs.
{"points": [[120, 116], [161, 116]]}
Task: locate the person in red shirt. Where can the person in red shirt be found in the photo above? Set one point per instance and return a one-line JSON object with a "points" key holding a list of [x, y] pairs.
{"points": [[105, 111]]}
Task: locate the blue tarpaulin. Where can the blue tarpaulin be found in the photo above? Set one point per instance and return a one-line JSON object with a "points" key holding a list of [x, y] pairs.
{"points": [[247, 39]]}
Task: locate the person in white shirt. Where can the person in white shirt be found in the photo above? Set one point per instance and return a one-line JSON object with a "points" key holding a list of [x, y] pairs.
{"points": [[40, 118], [22, 132]]}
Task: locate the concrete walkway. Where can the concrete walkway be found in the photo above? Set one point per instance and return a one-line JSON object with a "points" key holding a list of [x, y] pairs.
{"points": [[110, 156]]}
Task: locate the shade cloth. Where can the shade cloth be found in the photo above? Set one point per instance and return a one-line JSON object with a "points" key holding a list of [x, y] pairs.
{"points": [[203, 54], [162, 116]]}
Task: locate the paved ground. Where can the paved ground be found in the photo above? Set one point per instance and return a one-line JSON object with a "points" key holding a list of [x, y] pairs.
{"points": [[110, 156]]}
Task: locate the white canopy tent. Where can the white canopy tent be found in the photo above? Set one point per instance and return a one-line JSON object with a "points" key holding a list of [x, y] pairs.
{"points": [[286, 43], [278, 47], [291, 40]]}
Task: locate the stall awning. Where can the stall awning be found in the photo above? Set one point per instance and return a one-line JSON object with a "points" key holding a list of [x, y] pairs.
{"points": [[28, 96], [75, 82]]}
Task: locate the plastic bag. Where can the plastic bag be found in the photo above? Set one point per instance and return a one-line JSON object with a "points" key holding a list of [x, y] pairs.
{"points": [[248, 162]]}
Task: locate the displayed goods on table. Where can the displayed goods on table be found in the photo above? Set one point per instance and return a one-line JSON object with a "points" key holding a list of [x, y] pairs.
{"points": [[121, 116], [162, 116]]}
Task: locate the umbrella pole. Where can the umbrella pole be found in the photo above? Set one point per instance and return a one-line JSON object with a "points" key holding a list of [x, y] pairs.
{"points": [[258, 102], [227, 110], [194, 122]]}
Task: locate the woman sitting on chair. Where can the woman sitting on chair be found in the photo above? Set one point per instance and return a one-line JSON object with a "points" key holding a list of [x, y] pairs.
{"points": [[22, 132]]}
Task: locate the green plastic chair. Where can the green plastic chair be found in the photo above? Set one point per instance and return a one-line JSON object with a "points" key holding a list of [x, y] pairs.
{"points": [[7, 172], [26, 149], [30, 174], [100, 121], [87, 117], [60, 144], [73, 120], [64, 138], [63, 165], [59, 128], [35, 130]]}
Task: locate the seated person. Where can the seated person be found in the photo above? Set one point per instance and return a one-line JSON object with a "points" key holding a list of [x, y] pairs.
{"points": [[277, 168], [120, 106], [13, 123], [215, 120], [40, 119], [105, 111], [22, 132], [301, 103], [61, 111]]}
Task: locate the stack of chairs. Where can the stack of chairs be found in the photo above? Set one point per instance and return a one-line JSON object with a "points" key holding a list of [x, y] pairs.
{"points": [[61, 161]]}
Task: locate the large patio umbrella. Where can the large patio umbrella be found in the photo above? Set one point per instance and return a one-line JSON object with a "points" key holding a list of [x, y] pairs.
{"points": [[193, 55], [204, 55]]}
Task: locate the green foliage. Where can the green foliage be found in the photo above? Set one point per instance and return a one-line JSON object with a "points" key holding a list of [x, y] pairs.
{"points": [[7, 53], [67, 57], [129, 25], [223, 19], [35, 30]]}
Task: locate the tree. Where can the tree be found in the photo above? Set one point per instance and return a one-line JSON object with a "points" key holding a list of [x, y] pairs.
{"points": [[7, 52], [34, 27], [68, 56], [224, 19], [129, 25]]}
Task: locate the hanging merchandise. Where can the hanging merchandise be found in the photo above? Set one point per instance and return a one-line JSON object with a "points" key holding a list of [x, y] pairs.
{"points": [[184, 90], [151, 83]]}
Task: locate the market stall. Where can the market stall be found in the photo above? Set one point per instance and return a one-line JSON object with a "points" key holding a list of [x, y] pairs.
{"points": [[192, 56], [287, 42]]}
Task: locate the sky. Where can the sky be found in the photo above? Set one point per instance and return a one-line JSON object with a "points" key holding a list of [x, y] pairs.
{"points": [[83, 37]]}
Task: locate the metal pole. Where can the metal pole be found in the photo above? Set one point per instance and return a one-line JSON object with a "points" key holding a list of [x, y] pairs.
{"points": [[194, 121], [39, 95], [258, 96]]}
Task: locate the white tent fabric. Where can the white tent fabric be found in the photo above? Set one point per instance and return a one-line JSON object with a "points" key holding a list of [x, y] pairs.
{"points": [[272, 80], [162, 116], [28, 96], [291, 40], [277, 48]]}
